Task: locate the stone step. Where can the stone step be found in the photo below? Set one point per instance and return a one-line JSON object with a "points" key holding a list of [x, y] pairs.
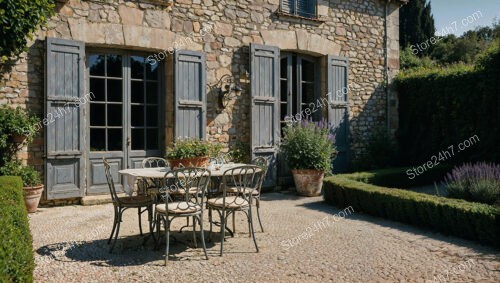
{"points": [[96, 200]]}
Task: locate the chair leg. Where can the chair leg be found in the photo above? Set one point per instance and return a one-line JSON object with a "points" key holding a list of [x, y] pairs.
{"points": [[251, 228], [167, 235], [140, 221], [210, 221], [115, 222], [200, 219], [194, 232], [258, 216], [117, 230], [222, 230], [234, 223]]}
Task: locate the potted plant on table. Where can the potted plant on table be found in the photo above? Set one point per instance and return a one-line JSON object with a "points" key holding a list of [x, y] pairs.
{"points": [[192, 153], [308, 149], [32, 184]]}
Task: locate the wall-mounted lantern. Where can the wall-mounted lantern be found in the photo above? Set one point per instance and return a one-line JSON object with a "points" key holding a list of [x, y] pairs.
{"points": [[226, 89]]}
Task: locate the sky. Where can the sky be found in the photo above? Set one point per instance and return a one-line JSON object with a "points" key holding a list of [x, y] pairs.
{"points": [[459, 16]]}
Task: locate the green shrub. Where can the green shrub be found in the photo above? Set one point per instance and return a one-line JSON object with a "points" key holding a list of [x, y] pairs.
{"points": [[456, 217], [308, 145], [442, 107], [381, 152], [20, 18], [190, 148], [475, 182], [28, 174], [16, 250]]}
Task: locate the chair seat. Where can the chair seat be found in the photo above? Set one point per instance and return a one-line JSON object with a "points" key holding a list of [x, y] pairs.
{"points": [[181, 207], [246, 191], [232, 202], [136, 200], [181, 191]]}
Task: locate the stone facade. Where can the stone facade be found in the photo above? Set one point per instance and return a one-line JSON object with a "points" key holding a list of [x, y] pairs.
{"points": [[223, 30]]}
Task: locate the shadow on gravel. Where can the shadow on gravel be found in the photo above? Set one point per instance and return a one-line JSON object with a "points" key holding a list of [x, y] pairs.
{"points": [[129, 251], [422, 233]]}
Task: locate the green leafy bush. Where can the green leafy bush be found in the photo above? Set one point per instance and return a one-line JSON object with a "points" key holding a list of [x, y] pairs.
{"points": [[16, 250], [28, 174], [442, 107], [190, 148], [240, 153], [456, 217], [408, 60], [475, 182], [308, 145], [14, 121], [20, 18]]}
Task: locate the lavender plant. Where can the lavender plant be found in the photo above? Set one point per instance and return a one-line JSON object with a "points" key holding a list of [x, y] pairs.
{"points": [[478, 182], [308, 145]]}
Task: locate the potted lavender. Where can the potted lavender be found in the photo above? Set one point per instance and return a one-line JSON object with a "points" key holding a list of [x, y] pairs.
{"points": [[308, 149]]}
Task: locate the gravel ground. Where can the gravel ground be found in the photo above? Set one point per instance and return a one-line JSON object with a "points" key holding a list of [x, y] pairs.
{"points": [[302, 242]]}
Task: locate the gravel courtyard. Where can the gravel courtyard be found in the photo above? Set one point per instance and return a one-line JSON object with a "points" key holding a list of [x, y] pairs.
{"points": [[302, 242]]}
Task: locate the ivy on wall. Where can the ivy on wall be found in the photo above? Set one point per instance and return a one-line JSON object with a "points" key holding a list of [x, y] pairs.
{"points": [[18, 20]]}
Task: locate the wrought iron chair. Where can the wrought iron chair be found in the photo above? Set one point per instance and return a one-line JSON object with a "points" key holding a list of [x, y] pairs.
{"points": [[123, 203], [177, 183], [148, 186], [262, 163], [238, 185], [154, 162]]}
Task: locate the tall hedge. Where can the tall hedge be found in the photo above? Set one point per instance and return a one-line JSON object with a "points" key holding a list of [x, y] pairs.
{"points": [[443, 107], [16, 250]]}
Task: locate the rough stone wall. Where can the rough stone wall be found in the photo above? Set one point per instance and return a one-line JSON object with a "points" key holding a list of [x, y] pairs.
{"points": [[223, 29]]}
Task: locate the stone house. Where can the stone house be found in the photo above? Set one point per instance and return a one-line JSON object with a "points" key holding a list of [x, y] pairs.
{"points": [[121, 79]]}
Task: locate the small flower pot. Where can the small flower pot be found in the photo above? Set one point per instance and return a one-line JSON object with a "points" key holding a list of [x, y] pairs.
{"points": [[308, 182], [32, 197], [202, 162]]}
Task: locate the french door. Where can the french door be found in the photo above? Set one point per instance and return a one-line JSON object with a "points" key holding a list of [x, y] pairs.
{"points": [[124, 119], [298, 92]]}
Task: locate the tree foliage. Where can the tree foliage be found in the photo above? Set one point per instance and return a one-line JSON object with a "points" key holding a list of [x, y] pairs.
{"points": [[18, 20], [416, 23]]}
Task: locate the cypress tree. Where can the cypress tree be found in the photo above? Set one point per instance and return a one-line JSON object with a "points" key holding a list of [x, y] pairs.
{"points": [[416, 23]]}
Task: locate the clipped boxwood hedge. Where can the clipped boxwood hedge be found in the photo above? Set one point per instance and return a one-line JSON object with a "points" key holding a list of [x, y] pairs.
{"points": [[16, 250], [455, 217]]}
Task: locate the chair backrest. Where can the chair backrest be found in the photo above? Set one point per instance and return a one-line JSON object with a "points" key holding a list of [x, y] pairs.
{"points": [[109, 179], [241, 179], [263, 164], [154, 162], [190, 184]]}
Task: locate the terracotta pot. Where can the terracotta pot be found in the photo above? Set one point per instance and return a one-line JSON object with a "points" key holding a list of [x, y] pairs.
{"points": [[308, 182], [32, 197], [190, 162], [16, 138]]}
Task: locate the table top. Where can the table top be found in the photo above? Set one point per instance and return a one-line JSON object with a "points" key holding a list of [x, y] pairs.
{"points": [[158, 173]]}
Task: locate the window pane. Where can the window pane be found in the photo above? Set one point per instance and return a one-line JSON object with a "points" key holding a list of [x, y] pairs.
{"points": [[114, 65], [97, 139], [97, 114], [152, 93], [115, 140], [137, 139], [152, 116], [307, 71], [96, 65], [114, 114], [115, 90], [284, 91], [137, 92], [97, 88], [152, 139], [152, 70], [137, 114], [137, 67], [284, 68]]}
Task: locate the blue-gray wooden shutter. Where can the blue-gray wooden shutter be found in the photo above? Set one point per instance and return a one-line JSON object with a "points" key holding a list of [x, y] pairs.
{"points": [[338, 111], [190, 92], [288, 6], [64, 91], [306, 8], [265, 119]]}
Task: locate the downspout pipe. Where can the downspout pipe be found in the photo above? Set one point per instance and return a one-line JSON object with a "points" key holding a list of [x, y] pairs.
{"points": [[386, 67]]}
